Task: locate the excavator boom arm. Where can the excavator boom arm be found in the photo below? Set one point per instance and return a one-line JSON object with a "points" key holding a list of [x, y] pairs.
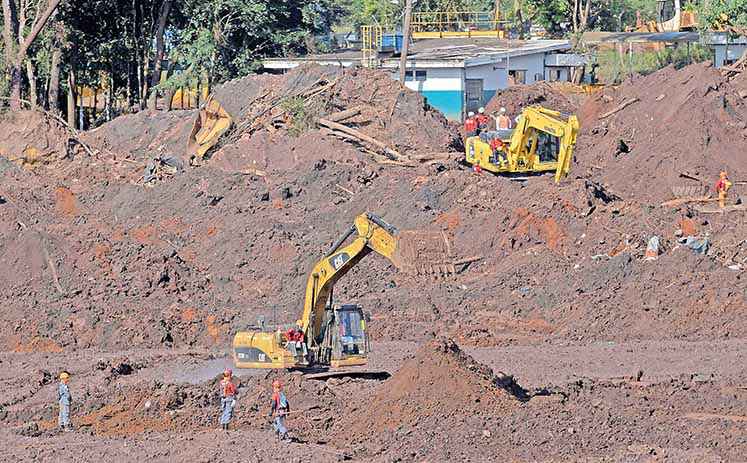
{"points": [[372, 234], [537, 119]]}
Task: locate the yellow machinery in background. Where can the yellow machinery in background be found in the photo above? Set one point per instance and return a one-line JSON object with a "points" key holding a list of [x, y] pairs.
{"points": [[336, 336], [542, 141], [212, 122], [372, 38], [441, 24]]}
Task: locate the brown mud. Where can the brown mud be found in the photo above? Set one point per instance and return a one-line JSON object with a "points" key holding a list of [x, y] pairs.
{"points": [[137, 289]]}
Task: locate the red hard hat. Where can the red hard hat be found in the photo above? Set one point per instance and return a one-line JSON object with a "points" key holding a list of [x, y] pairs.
{"points": [[227, 372]]}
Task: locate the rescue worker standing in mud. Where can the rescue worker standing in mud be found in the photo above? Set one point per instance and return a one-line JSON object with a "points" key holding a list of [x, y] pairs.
{"points": [[279, 409], [64, 399], [722, 187], [227, 398]]}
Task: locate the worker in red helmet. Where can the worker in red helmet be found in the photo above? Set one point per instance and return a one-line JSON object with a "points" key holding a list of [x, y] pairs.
{"points": [[722, 187], [279, 409], [470, 125], [228, 395]]}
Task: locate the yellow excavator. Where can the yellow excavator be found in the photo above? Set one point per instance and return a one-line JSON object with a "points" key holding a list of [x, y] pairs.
{"points": [[336, 336], [543, 141]]}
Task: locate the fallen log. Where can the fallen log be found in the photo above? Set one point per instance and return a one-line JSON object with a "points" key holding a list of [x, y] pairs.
{"points": [[681, 201], [619, 108], [432, 156], [363, 138], [342, 115]]}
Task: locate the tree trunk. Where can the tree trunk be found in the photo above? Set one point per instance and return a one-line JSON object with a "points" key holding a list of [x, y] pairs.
{"points": [[12, 36], [31, 75], [71, 99], [53, 95], [155, 78], [585, 16], [169, 96], [110, 94], [405, 43], [10, 30], [95, 103]]}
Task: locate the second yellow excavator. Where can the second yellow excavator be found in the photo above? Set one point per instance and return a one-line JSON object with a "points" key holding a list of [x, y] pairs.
{"points": [[542, 141], [336, 336]]}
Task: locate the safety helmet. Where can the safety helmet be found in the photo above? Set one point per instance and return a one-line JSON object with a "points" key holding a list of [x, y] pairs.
{"points": [[64, 375], [470, 114], [722, 174], [299, 323], [277, 384], [227, 372], [481, 110], [502, 110]]}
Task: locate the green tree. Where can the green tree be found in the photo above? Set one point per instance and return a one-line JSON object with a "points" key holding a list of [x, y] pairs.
{"points": [[721, 14]]}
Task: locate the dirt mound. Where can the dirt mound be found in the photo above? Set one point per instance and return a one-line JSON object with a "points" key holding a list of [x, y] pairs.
{"points": [[275, 119], [539, 93], [143, 135], [30, 138], [691, 121], [440, 390]]}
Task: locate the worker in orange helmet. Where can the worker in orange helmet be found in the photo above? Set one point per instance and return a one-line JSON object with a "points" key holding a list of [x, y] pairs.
{"points": [[722, 187], [228, 395], [279, 409]]}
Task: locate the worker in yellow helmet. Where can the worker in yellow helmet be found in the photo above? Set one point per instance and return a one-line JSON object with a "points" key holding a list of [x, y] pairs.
{"points": [[64, 398], [722, 187]]}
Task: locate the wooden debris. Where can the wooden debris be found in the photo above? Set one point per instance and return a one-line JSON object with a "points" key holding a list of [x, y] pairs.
{"points": [[681, 201], [723, 210], [344, 189], [691, 177], [362, 137], [53, 270], [342, 115], [619, 108]]}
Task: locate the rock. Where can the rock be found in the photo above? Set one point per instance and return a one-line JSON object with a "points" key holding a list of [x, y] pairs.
{"points": [[265, 196], [485, 433], [29, 430]]}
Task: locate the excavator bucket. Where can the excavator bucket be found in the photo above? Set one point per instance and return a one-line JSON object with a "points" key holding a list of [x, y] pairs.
{"points": [[212, 122], [424, 253]]}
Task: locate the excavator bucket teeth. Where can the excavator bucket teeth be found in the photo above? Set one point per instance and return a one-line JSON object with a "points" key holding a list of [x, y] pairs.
{"points": [[424, 253]]}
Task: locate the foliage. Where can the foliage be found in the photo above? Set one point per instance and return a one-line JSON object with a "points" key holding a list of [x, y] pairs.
{"points": [[609, 15], [719, 14], [225, 39], [302, 113], [612, 71]]}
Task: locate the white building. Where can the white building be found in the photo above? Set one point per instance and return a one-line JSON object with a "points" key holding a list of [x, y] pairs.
{"points": [[726, 50], [457, 75]]}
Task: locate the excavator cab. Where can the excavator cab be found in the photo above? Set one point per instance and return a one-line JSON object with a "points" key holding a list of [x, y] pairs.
{"points": [[346, 326]]}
